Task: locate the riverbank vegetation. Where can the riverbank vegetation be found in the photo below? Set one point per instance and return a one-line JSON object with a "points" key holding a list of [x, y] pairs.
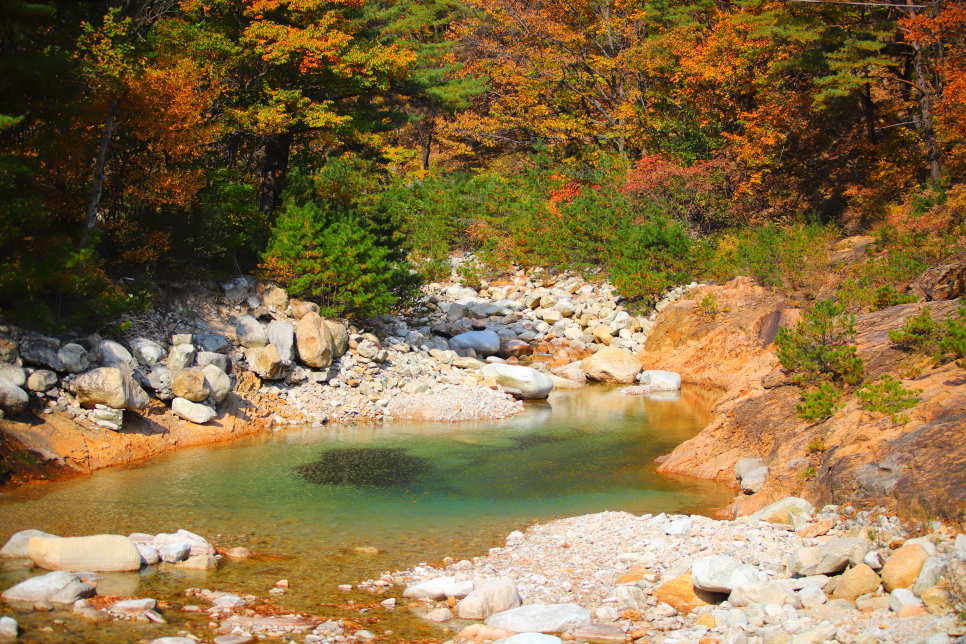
{"points": [[347, 148]]}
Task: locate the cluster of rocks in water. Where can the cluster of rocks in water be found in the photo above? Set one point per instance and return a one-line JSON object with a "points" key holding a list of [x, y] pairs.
{"points": [[787, 575], [465, 353]]}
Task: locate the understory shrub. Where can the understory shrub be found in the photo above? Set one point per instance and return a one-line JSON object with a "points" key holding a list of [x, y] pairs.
{"points": [[888, 396], [945, 341]]}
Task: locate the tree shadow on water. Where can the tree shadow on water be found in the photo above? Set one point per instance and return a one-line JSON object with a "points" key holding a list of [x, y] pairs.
{"points": [[366, 467]]}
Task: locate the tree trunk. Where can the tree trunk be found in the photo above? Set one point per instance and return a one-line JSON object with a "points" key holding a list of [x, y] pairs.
{"points": [[97, 187], [868, 106], [925, 107], [273, 171], [427, 149]]}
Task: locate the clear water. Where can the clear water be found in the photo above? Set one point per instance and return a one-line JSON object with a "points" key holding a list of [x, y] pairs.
{"points": [[459, 489]]}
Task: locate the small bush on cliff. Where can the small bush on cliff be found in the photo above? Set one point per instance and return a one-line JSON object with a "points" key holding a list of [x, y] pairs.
{"points": [[819, 403], [888, 396], [944, 341], [819, 349]]}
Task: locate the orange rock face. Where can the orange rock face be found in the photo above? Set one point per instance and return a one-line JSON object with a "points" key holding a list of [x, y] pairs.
{"points": [[682, 595]]}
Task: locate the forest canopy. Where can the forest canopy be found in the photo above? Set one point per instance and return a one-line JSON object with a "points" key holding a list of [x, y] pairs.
{"points": [[346, 147]]}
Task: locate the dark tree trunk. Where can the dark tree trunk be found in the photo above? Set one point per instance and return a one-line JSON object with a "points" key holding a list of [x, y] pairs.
{"points": [[868, 106], [97, 186], [272, 172], [925, 108], [427, 149]]}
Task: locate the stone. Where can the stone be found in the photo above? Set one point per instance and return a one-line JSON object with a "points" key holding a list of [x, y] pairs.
{"points": [[439, 615], [60, 587], [439, 588], [191, 411], [16, 546], [13, 374], [299, 309], [901, 597], [190, 384], [13, 399], [485, 343], [282, 336], [812, 596], [174, 552], [679, 526], [541, 618], [8, 627], [551, 316], [314, 341], [249, 332], [680, 593], [239, 553], [602, 335], [340, 338], [211, 342], [762, 592], [218, 383], [236, 290], [265, 362], [778, 512], [563, 383], [159, 379], [660, 380], [108, 353], [612, 364], [147, 352], [133, 605], [109, 386], [935, 596], [532, 384], [42, 352], [206, 358], [172, 640], [944, 282], [932, 571], [532, 638], [600, 634], [511, 348], [181, 356], [857, 581], [41, 380], [720, 574], [199, 562], [97, 553], [74, 357], [457, 312], [566, 308], [149, 556], [835, 555], [490, 597], [902, 568], [275, 296]]}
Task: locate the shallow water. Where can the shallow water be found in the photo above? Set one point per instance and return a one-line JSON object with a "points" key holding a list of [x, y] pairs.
{"points": [[457, 490]]}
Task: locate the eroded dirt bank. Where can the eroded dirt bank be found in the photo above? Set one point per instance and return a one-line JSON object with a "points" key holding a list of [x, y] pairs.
{"points": [[916, 468]]}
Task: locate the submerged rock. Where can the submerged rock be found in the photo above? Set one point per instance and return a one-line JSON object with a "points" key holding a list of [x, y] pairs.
{"points": [[365, 467], [60, 587]]}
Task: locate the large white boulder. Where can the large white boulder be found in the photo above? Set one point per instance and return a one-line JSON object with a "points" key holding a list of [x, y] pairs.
{"points": [[485, 342], [439, 588], [249, 332], [531, 383], [13, 399], [147, 352], [199, 545], [219, 384], [490, 597], [98, 553], [720, 574], [660, 380], [612, 364], [191, 411], [110, 386], [59, 587], [16, 546], [541, 618]]}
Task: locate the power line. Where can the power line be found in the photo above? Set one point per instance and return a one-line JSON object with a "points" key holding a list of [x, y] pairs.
{"points": [[869, 4]]}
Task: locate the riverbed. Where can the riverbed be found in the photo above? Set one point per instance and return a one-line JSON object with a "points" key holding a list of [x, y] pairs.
{"points": [[305, 499]]}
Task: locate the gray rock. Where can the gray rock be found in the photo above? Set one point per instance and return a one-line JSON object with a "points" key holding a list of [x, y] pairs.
{"points": [[74, 357], [532, 638], [41, 380], [249, 332], [13, 399], [238, 288], [8, 627], [190, 384], [211, 342], [490, 597], [485, 343], [541, 618], [147, 352], [439, 588], [13, 374], [812, 596], [42, 352], [174, 552], [16, 546], [835, 555], [932, 571], [191, 411], [149, 556], [265, 362], [531, 383], [565, 307], [133, 605], [60, 587], [199, 562], [763, 593], [159, 379], [901, 597], [679, 526], [218, 383], [199, 545], [181, 356], [720, 574], [282, 335], [108, 353], [456, 312], [340, 337], [206, 358], [110, 386], [778, 511]]}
